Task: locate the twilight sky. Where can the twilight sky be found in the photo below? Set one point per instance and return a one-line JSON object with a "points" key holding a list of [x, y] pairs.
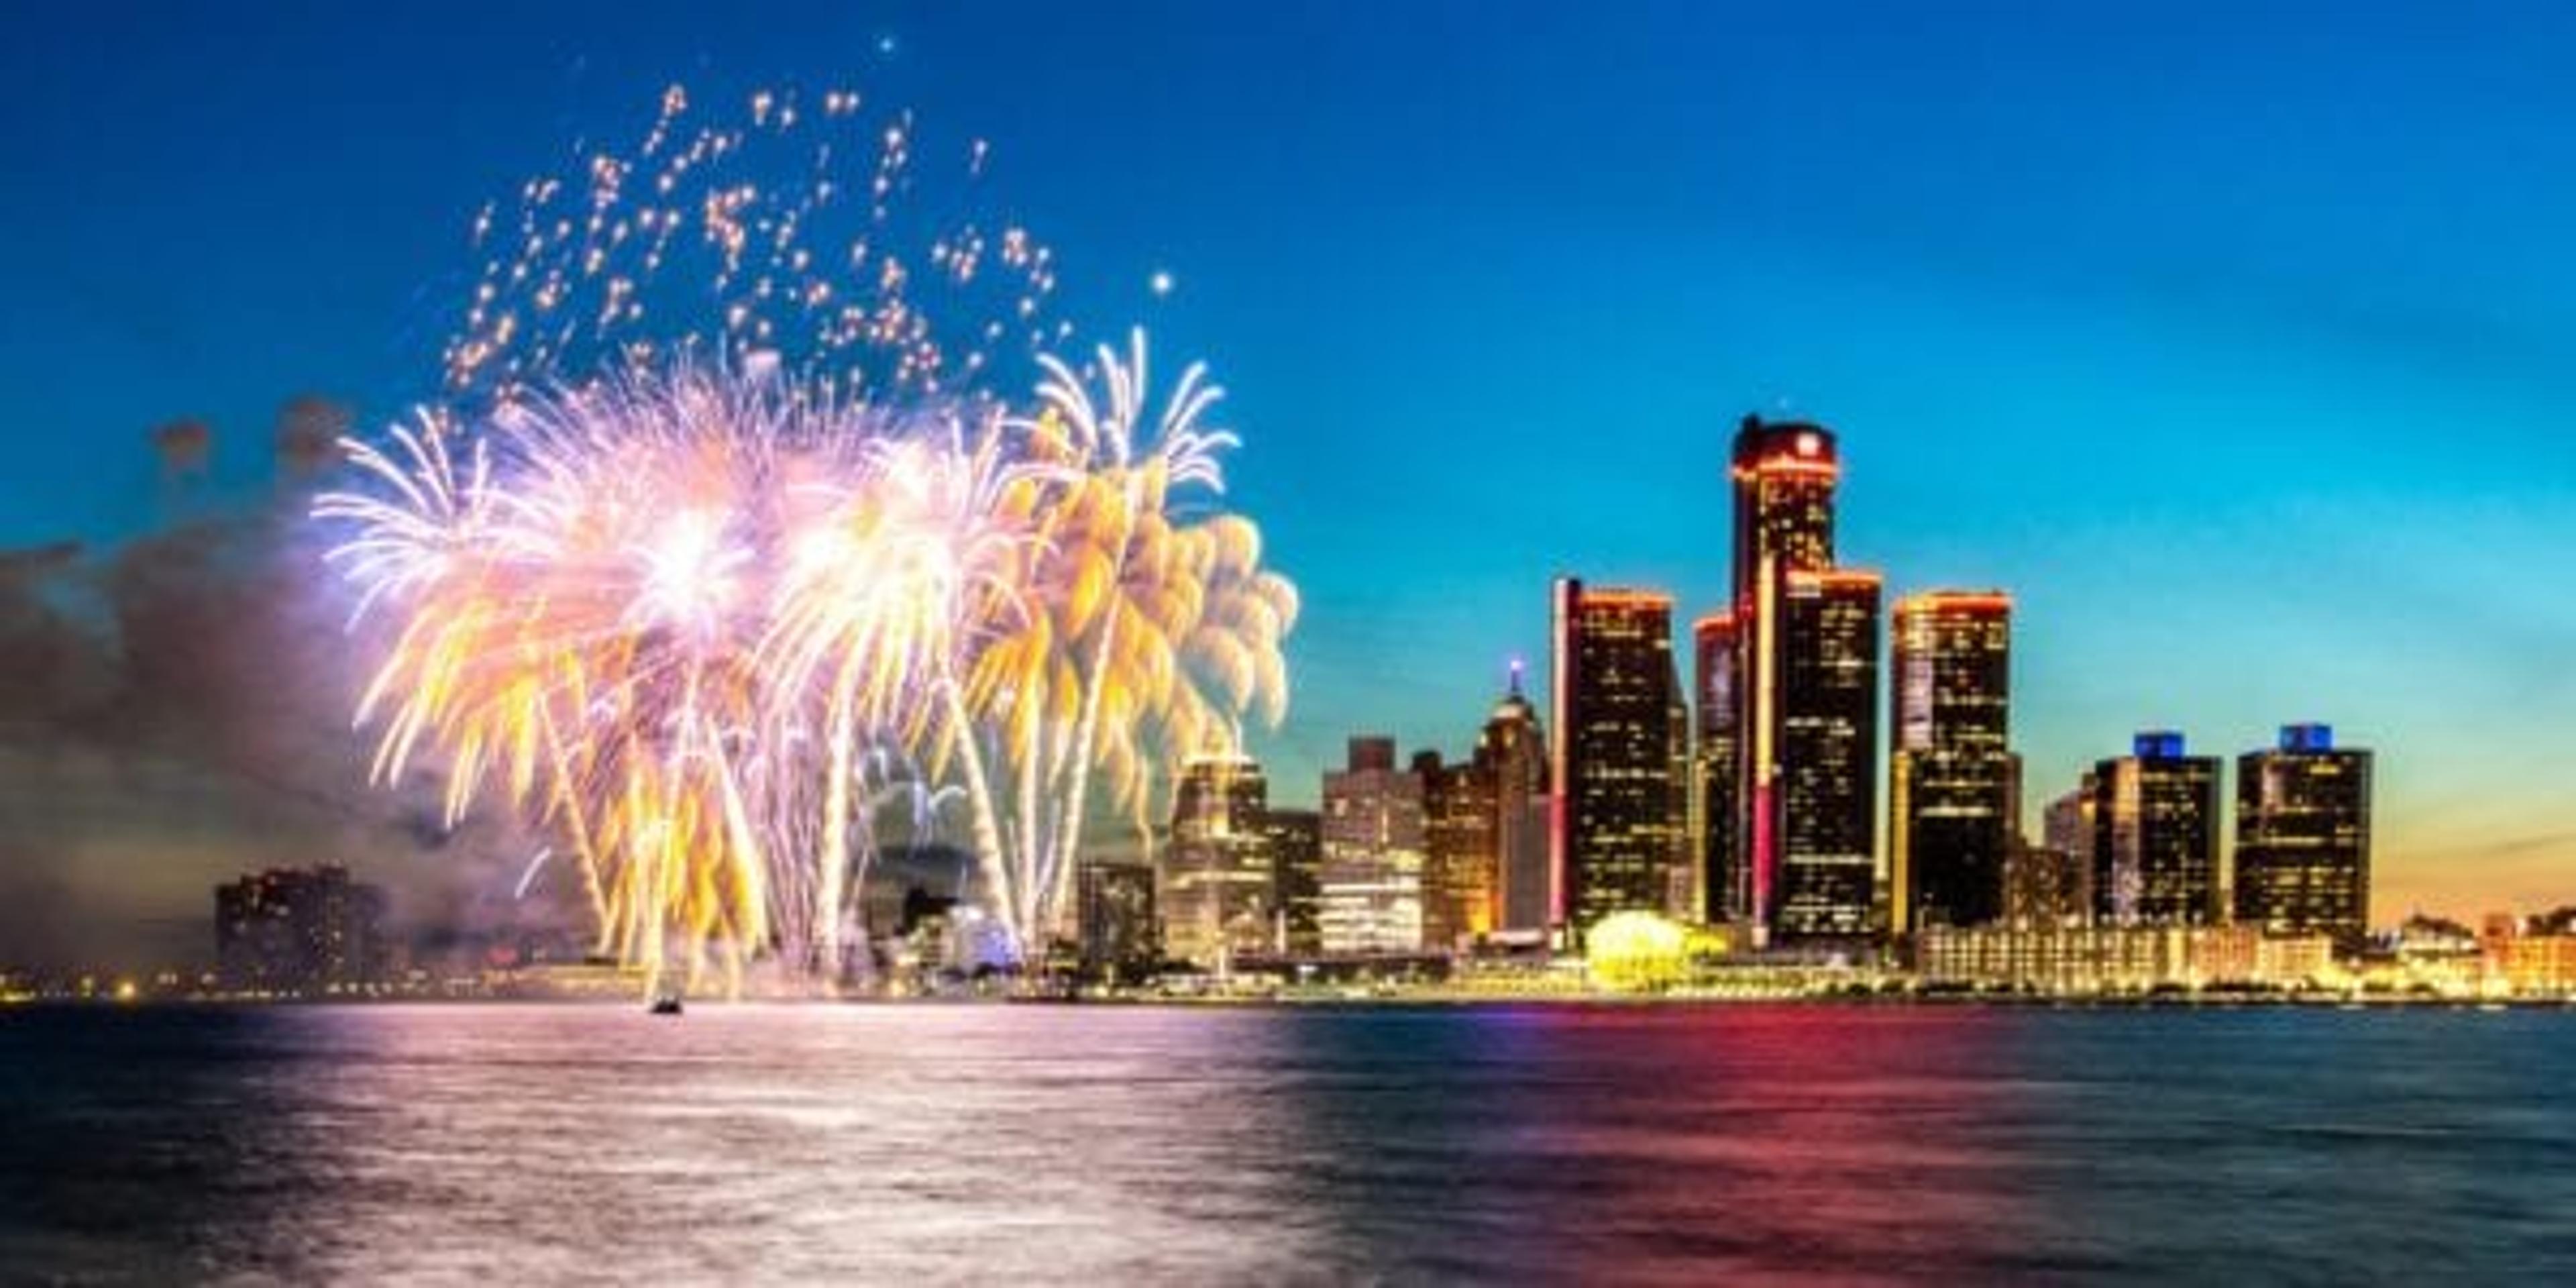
{"points": [[2239, 343]]}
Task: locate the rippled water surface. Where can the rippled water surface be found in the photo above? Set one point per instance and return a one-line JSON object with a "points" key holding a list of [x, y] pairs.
{"points": [[1110, 1145]]}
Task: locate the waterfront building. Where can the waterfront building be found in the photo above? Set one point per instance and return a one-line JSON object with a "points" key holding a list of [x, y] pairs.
{"points": [[1296, 843], [2066, 827], [1510, 763], [1373, 849], [1616, 834], [2530, 959], [299, 931], [2303, 837], [1822, 800], [1714, 820], [1951, 774], [2155, 836], [2119, 959], [1805, 676], [1217, 882], [1115, 916], [1459, 860]]}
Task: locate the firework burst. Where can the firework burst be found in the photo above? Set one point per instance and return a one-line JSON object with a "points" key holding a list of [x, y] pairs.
{"points": [[708, 610]]}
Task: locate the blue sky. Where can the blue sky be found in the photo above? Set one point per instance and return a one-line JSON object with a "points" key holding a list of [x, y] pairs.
{"points": [[2238, 341]]}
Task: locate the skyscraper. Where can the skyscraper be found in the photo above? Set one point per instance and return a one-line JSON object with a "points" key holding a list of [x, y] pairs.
{"points": [[1216, 886], [1825, 798], [1295, 839], [2155, 836], [1950, 767], [2303, 836], [1615, 835], [1371, 900], [1713, 819], [1806, 679], [1511, 759], [1458, 869]]}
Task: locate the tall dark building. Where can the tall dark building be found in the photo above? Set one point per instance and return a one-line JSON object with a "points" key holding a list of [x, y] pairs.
{"points": [[1614, 690], [1458, 859], [1216, 877], [2155, 836], [1295, 839], [1806, 676], [1950, 768], [1714, 757], [297, 931], [1511, 763], [1115, 914], [1825, 798], [2303, 837]]}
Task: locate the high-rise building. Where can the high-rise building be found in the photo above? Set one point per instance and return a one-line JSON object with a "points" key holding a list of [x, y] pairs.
{"points": [[2155, 836], [1714, 755], [1511, 762], [1825, 790], [1615, 830], [1295, 838], [2303, 837], [299, 931], [1950, 767], [1373, 839], [1119, 940], [1458, 868], [1216, 885], [1806, 675]]}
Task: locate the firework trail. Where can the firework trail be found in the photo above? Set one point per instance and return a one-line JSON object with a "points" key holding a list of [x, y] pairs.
{"points": [[711, 604]]}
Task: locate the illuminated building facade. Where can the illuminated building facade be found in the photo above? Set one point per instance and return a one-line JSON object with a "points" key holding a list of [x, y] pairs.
{"points": [[1458, 870], [1714, 819], [1806, 676], [2303, 837], [1115, 913], [1617, 824], [1950, 768], [1216, 884], [2119, 959], [2044, 886], [299, 931], [1296, 842], [1823, 800], [1373, 850], [2155, 836], [1511, 763]]}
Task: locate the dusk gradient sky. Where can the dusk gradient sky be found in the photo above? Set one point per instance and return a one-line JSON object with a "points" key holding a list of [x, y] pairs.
{"points": [[2237, 341]]}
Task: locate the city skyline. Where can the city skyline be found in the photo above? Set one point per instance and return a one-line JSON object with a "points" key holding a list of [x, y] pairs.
{"points": [[2156, 396]]}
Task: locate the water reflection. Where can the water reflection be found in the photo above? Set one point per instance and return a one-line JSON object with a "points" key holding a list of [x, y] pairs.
{"points": [[1125, 1145]]}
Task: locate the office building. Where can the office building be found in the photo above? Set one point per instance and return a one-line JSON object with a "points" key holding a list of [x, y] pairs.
{"points": [[1806, 675], [1951, 775], [1459, 859], [1511, 762], [299, 931], [1215, 898], [2155, 836], [1295, 840], [1713, 812], [1118, 935], [2303, 837], [1373, 850], [1616, 834]]}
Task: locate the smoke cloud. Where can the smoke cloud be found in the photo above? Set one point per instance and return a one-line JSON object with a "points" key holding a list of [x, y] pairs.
{"points": [[174, 710]]}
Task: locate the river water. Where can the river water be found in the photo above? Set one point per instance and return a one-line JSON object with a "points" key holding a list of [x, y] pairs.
{"points": [[1114, 1145]]}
